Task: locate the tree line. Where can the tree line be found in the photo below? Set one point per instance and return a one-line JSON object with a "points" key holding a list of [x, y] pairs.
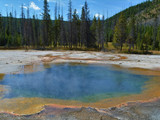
{"points": [[77, 32], [80, 31]]}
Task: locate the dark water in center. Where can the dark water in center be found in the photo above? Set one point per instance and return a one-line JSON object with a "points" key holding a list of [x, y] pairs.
{"points": [[86, 83]]}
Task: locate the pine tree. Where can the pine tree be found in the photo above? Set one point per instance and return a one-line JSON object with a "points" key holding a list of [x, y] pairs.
{"points": [[120, 32], [22, 25], [34, 31], [57, 26], [9, 30], [138, 41], [146, 39], [1, 31], [86, 24], [155, 29], [70, 29], [63, 39], [158, 38], [50, 32], [75, 28], [28, 30], [94, 26], [99, 31], [116, 37], [131, 39], [46, 23], [56, 32], [94, 30], [82, 28], [103, 34], [15, 31]]}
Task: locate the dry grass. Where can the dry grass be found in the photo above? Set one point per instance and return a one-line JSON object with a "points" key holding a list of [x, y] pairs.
{"points": [[156, 52]]}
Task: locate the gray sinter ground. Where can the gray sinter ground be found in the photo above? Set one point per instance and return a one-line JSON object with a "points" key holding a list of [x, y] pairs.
{"points": [[133, 111]]}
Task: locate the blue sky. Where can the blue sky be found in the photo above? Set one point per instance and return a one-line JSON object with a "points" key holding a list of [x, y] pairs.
{"points": [[97, 7]]}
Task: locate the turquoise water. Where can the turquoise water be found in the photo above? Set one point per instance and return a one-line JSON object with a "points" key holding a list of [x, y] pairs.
{"points": [[86, 83]]}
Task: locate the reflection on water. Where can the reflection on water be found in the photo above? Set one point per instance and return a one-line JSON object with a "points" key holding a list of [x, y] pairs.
{"points": [[86, 83]]}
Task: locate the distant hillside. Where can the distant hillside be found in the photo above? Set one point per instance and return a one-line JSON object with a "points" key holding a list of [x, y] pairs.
{"points": [[145, 13], [143, 26]]}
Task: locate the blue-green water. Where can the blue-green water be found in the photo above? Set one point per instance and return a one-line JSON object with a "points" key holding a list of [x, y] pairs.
{"points": [[86, 83]]}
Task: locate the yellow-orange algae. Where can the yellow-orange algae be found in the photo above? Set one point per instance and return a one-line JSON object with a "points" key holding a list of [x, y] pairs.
{"points": [[2, 76]]}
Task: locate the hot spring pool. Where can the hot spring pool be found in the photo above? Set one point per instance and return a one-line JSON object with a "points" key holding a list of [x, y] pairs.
{"points": [[85, 83]]}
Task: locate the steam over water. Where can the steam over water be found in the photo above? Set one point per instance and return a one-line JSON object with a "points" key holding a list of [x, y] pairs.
{"points": [[86, 83]]}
